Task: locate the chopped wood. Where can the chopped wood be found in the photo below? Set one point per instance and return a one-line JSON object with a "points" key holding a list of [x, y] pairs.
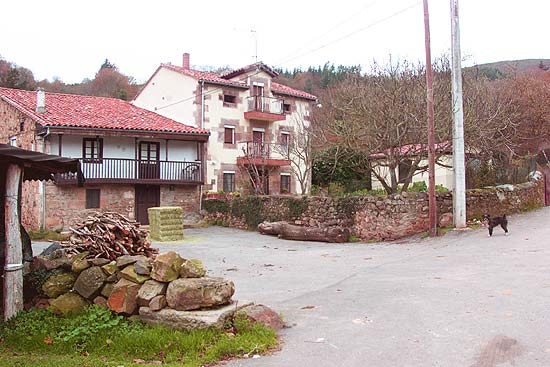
{"points": [[109, 235]]}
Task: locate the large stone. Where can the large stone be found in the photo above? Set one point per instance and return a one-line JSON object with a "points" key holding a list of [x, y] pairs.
{"points": [[101, 301], [123, 297], [79, 265], [125, 260], [445, 220], [107, 289], [57, 284], [262, 314], [129, 273], [143, 266], [166, 267], [193, 293], [90, 282], [110, 268], [190, 320], [149, 290], [99, 261], [157, 303], [57, 259], [192, 268], [68, 303]]}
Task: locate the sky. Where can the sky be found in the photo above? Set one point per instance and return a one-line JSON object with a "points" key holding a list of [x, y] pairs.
{"points": [[70, 39]]}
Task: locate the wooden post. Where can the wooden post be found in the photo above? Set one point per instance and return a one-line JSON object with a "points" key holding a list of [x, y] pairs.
{"points": [[13, 269]]}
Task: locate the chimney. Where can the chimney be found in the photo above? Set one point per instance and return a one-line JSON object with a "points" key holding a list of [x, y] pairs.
{"points": [[40, 100], [186, 61]]}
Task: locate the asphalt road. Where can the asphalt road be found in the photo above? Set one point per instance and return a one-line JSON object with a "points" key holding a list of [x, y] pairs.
{"points": [[459, 300]]}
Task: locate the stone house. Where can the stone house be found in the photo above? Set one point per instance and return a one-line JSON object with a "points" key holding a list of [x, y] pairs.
{"points": [[131, 158], [252, 120]]}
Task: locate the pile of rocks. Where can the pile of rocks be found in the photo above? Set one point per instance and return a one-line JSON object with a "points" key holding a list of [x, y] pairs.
{"points": [[131, 284]]}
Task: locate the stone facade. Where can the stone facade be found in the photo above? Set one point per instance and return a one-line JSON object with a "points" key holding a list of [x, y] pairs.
{"points": [[66, 205], [383, 217]]}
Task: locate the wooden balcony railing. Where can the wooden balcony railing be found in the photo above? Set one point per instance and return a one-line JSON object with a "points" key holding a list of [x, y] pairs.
{"points": [[120, 170]]}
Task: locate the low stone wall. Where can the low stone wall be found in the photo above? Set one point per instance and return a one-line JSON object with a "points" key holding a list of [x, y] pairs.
{"points": [[372, 217]]}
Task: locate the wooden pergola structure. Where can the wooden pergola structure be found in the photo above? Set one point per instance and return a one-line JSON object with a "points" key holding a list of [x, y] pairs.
{"points": [[17, 165]]}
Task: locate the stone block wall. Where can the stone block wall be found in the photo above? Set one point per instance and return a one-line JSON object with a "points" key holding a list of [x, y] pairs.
{"points": [[375, 217], [66, 205]]}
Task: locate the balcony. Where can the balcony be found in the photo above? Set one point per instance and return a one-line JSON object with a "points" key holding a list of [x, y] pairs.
{"points": [[264, 109], [132, 171], [263, 154]]}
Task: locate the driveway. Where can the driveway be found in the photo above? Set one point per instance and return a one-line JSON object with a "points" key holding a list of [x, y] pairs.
{"points": [[459, 300]]}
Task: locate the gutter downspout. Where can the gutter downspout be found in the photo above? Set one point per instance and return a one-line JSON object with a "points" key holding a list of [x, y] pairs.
{"points": [[204, 168]]}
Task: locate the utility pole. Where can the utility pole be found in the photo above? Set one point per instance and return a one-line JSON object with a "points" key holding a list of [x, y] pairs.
{"points": [[431, 124], [459, 191]]}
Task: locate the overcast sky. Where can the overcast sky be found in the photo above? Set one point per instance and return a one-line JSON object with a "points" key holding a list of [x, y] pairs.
{"points": [[71, 39]]}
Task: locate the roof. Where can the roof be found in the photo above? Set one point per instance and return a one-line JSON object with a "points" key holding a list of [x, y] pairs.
{"points": [[414, 149], [277, 88], [224, 79], [39, 166], [76, 111], [205, 76], [245, 69]]}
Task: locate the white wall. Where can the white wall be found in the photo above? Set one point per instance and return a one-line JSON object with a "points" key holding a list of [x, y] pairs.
{"points": [[443, 175], [167, 87]]}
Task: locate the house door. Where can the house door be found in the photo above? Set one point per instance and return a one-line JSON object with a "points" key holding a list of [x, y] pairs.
{"points": [[149, 160], [258, 144], [147, 196]]}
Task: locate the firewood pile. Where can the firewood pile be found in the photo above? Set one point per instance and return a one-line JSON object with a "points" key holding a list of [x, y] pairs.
{"points": [[109, 235]]}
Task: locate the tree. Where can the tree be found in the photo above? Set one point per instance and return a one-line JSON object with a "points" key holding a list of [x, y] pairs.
{"points": [[383, 116], [109, 82], [298, 150]]}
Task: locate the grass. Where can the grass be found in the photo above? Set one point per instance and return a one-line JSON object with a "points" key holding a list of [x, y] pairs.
{"points": [[99, 338], [47, 235]]}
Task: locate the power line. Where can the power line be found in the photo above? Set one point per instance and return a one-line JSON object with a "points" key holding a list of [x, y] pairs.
{"points": [[399, 12]]}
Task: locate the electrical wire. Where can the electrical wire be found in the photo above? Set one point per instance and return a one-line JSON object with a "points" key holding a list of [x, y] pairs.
{"points": [[397, 13]]}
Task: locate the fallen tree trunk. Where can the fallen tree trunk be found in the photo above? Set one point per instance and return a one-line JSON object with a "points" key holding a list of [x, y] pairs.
{"points": [[289, 231]]}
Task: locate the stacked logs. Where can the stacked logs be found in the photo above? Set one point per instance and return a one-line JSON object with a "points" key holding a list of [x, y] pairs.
{"points": [[109, 235]]}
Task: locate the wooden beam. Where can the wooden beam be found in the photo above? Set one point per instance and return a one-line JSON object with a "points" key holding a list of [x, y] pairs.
{"points": [[13, 270]]}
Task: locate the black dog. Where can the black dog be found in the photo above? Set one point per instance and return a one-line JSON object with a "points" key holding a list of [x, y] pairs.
{"points": [[492, 222]]}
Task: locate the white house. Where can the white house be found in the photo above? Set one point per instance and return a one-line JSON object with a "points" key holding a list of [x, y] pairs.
{"points": [[251, 118]]}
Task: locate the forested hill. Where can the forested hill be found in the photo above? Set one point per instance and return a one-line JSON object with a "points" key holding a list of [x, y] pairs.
{"points": [[110, 82]]}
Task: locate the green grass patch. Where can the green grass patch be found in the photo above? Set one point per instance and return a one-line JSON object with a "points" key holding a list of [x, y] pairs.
{"points": [[47, 235], [98, 337], [354, 238]]}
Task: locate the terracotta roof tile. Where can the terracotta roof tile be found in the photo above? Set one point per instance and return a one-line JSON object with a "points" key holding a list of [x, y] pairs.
{"points": [[283, 89], [205, 76], [70, 110]]}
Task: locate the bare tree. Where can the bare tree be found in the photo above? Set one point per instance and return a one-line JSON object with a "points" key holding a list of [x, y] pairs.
{"points": [[383, 115]]}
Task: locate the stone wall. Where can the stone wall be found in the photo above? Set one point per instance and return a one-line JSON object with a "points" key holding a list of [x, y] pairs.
{"points": [[373, 217], [66, 205]]}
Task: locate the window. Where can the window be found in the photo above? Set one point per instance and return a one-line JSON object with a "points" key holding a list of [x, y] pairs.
{"points": [[92, 150], [286, 108], [13, 141], [21, 124], [229, 99], [92, 198], [285, 142], [285, 183], [229, 181], [229, 134]]}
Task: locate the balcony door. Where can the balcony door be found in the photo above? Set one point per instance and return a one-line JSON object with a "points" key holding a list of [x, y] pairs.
{"points": [[258, 143], [258, 93], [149, 160]]}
